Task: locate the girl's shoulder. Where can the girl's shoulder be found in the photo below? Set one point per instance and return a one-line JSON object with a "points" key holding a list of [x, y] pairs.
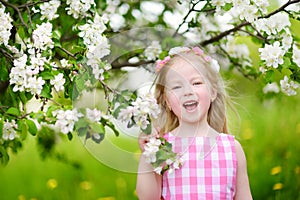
{"points": [[226, 137]]}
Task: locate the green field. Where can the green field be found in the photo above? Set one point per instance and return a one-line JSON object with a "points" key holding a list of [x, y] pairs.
{"points": [[269, 132]]}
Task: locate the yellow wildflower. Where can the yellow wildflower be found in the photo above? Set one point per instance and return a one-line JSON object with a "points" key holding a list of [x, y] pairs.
{"points": [[52, 183], [85, 185], [277, 186], [275, 170]]}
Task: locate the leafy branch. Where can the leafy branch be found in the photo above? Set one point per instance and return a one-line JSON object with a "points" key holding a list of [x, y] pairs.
{"points": [[245, 23], [7, 4]]}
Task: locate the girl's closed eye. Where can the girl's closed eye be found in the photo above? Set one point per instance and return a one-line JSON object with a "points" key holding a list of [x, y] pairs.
{"points": [[197, 83], [176, 87]]}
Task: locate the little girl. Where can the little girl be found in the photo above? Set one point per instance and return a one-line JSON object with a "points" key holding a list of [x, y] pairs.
{"points": [[191, 94]]}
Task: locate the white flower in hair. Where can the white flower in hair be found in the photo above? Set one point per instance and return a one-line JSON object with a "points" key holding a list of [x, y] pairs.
{"points": [[177, 50], [215, 65]]}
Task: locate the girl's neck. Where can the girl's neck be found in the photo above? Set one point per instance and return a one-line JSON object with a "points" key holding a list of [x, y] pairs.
{"points": [[192, 130]]}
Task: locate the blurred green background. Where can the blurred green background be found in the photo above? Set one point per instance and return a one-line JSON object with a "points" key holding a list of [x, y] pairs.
{"points": [[268, 130]]}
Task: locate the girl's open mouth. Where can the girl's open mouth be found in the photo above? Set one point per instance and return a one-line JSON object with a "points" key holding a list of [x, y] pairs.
{"points": [[190, 105]]}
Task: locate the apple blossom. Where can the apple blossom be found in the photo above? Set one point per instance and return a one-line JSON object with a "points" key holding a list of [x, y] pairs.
{"points": [[5, 26], [272, 54], [9, 130], [58, 82], [288, 86]]}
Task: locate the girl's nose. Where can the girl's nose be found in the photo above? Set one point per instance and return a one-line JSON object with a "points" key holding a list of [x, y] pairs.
{"points": [[188, 90]]}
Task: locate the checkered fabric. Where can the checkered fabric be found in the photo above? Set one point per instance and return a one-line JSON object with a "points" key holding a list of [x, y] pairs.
{"points": [[208, 172]]}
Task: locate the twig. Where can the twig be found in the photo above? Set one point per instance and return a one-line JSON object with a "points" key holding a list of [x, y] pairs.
{"points": [[7, 4], [6, 54], [223, 34], [117, 65], [32, 4], [245, 23], [258, 36], [66, 51], [185, 17], [282, 8], [238, 66], [29, 15]]}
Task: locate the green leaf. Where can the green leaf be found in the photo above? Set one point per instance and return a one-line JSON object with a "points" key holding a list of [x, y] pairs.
{"points": [[13, 111], [227, 7], [161, 155], [4, 158], [1, 127], [70, 136], [81, 123], [80, 82], [3, 70], [46, 141], [148, 129], [287, 62], [31, 127], [23, 129], [118, 109], [56, 34], [82, 131], [130, 124], [97, 127], [112, 126], [269, 76], [46, 91], [98, 138], [46, 75]]}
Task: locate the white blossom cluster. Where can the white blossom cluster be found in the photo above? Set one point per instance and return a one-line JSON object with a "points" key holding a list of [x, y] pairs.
{"points": [[240, 51], [296, 55], [94, 115], [65, 63], [274, 24], [58, 82], [150, 150], [276, 27], [153, 50], [79, 8], [48, 10], [140, 110], [23, 76], [288, 86], [5, 25], [272, 54], [244, 9], [97, 45], [114, 12], [9, 130], [271, 88], [42, 36], [65, 119]]}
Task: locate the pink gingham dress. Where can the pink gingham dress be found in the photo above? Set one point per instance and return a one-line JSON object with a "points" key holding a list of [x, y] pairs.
{"points": [[208, 172]]}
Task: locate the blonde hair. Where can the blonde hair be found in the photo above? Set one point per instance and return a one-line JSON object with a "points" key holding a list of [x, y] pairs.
{"points": [[216, 116]]}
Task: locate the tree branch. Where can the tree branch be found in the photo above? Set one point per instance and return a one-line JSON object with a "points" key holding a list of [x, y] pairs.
{"points": [[32, 4], [185, 17], [117, 65], [7, 4], [66, 51], [245, 23], [7, 55]]}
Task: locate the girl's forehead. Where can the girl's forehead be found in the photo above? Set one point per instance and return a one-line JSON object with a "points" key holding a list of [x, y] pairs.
{"points": [[183, 69]]}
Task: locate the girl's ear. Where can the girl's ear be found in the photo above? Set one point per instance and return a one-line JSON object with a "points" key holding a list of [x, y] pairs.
{"points": [[213, 95]]}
